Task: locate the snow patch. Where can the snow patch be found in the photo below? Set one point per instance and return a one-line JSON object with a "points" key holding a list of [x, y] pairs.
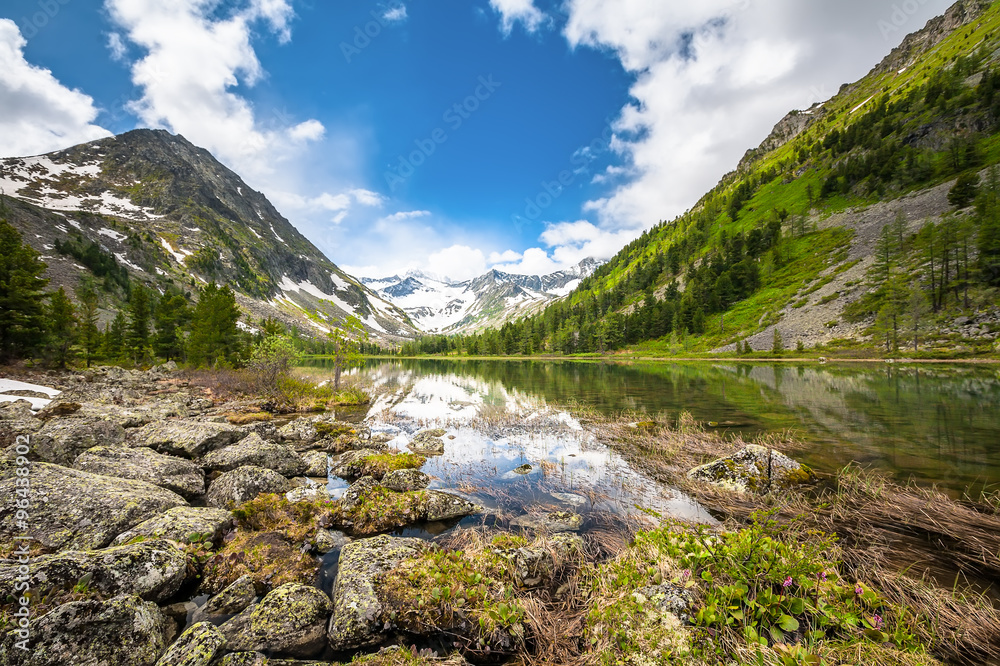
{"points": [[180, 254], [112, 234], [276, 233], [121, 258]]}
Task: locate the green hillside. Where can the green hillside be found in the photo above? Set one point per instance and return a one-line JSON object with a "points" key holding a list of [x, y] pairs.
{"points": [[870, 221]]}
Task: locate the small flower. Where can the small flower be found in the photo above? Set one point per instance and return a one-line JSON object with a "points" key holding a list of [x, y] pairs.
{"points": [[877, 621], [788, 583], [822, 576], [858, 590], [686, 574]]}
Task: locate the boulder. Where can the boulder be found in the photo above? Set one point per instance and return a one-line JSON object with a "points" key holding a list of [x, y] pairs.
{"points": [[552, 522], [308, 494], [79, 510], [244, 659], [535, 565], [754, 469], [667, 598], [179, 523], [327, 540], [17, 410], [142, 464], [190, 439], [237, 631], [244, 484], [60, 441], [122, 630], [231, 601], [358, 615], [406, 480], [291, 620], [428, 442], [350, 465], [153, 570], [356, 493], [443, 506], [196, 647], [317, 464], [252, 450]]}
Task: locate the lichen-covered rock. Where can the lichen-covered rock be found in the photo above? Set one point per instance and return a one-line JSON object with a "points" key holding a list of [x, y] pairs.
{"points": [[754, 469], [244, 659], [308, 494], [80, 510], [351, 464], [326, 540], [254, 451], [358, 615], [244, 484], [552, 522], [17, 410], [179, 523], [142, 464], [60, 441], [406, 480], [317, 464], [536, 565], [291, 620], [443, 506], [196, 647], [121, 630], [357, 492], [190, 439], [667, 598], [394, 654], [428, 442], [231, 601], [237, 631], [153, 570]]}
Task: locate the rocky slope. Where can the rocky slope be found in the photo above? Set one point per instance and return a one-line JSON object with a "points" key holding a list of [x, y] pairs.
{"points": [[437, 305], [169, 212]]}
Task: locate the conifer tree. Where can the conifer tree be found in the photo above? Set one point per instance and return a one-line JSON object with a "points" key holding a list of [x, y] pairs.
{"points": [[89, 334], [214, 336], [62, 328], [22, 311]]}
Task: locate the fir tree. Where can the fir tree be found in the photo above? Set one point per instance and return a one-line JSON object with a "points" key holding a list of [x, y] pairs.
{"points": [[62, 328], [22, 311], [214, 336], [89, 334]]}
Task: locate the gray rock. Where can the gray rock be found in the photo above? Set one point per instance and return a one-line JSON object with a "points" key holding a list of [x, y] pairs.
{"points": [[254, 451], [317, 464], [535, 565], [358, 615], [231, 601], [349, 465], [79, 510], [61, 440], [574, 501], [121, 630], [667, 598], [196, 647], [244, 484], [442, 506], [142, 464], [308, 494], [291, 620], [552, 522], [754, 469], [190, 439], [244, 659], [404, 480], [17, 410], [352, 496], [327, 540], [237, 631], [428, 442], [153, 570], [179, 523]]}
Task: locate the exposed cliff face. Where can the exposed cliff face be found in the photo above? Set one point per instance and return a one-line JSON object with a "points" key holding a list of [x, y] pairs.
{"points": [[170, 212]]}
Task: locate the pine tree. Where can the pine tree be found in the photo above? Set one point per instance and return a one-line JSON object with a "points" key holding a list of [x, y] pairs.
{"points": [[171, 316], [114, 337], [139, 318], [62, 328], [22, 311], [214, 338], [777, 344], [965, 190], [89, 334]]}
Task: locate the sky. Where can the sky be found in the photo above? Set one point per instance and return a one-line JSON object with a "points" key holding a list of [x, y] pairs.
{"points": [[447, 136]]}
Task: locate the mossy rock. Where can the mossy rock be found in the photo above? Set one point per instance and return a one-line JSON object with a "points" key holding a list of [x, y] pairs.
{"points": [[754, 469], [196, 647]]}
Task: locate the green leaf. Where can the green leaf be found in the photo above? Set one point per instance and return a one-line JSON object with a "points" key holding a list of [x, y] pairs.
{"points": [[788, 623], [796, 606]]}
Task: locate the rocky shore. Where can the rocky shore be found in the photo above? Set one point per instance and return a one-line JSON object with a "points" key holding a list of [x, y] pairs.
{"points": [[160, 524]]}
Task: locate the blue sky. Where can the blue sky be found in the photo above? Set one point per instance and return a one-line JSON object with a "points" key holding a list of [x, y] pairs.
{"points": [[432, 134]]}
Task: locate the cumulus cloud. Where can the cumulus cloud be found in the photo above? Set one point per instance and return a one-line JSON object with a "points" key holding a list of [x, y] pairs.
{"points": [[519, 11], [711, 79], [196, 55], [458, 262], [39, 113], [406, 215], [117, 47], [395, 14]]}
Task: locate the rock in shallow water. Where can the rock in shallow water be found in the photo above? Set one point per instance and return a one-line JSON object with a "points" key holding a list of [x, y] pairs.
{"points": [[142, 464], [244, 484], [406, 480], [553, 522], [428, 442], [755, 469], [74, 509]]}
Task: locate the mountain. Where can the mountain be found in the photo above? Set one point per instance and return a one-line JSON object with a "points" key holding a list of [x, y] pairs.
{"points": [[167, 212], [851, 225], [439, 305]]}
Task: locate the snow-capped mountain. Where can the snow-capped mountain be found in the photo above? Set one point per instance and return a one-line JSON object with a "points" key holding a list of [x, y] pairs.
{"points": [[438, 305]]}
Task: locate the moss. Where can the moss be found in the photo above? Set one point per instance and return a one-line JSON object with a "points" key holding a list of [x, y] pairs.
{"points": [[381, 464], [335, 429], [380, 509]]}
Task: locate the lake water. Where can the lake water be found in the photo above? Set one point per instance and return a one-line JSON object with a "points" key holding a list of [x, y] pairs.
{"points": [[935, 424]]}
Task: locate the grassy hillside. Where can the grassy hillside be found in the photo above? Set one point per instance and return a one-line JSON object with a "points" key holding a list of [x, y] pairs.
{"points": [[869, 221]]}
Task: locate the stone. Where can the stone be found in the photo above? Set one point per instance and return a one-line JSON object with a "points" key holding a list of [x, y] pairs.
{"points": [[291, 620], [535, 566], [358, 614], [237, 631], [71, 509], [308, 494], [667, 598], [122, 630], [754, 469], [574, 501], [153, 570], [405, 480], [60, 441], [179, 523], [244, 484], [428, 442], [189, 439], [317, 464], [552, 522], [254, 451], [244, 659], [327, 540], [350, 464], [177, 474], [231, 601], [443, 506], [357, 490], [196, 647]]}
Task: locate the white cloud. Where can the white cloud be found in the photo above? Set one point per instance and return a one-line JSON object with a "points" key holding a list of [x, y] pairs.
{"points": [[196, 54], [712, 78], [458, 262], [519, 11], [119, 51], [406, 215], [39, 114], [569, 243], [505, 257], [367, 197], [395, 14]]}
